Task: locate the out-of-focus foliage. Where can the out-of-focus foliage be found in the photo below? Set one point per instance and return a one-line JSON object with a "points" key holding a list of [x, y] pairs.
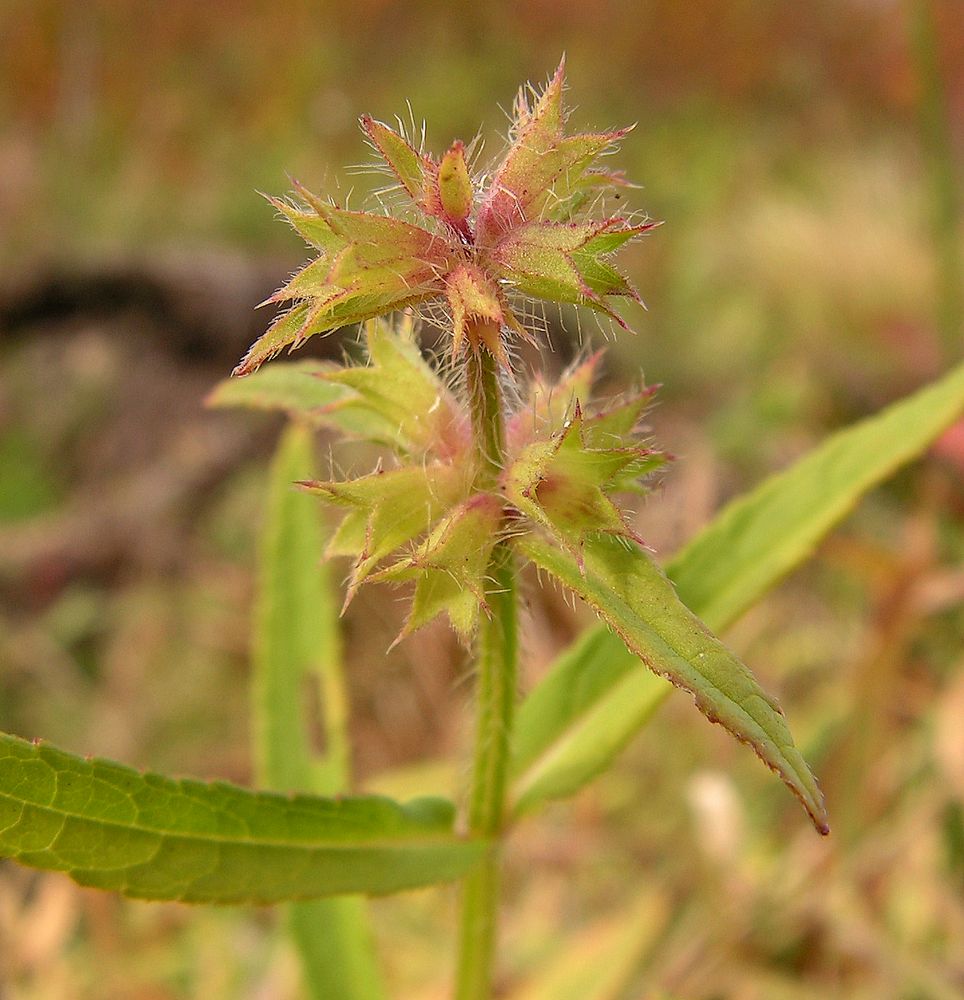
{"points": [[790, 292]]}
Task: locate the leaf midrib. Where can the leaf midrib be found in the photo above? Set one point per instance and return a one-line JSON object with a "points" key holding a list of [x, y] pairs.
{"points": [[435, 839]]}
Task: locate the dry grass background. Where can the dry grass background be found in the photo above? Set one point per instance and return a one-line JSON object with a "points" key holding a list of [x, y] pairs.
{"points": [[791, 291]]}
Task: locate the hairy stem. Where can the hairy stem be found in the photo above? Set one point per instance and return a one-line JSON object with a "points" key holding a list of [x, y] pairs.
{"points": [[497, 652]]}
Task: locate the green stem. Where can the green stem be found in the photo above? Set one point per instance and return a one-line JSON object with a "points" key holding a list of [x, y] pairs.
{"points": [[495, 701]]}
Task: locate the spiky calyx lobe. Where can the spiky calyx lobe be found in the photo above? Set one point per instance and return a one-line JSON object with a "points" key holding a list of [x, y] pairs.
{"points": [[566, 484], [473, 245]]}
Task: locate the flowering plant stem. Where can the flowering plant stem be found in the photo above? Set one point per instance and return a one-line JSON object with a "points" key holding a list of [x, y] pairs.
{"points": [[497, 653]]}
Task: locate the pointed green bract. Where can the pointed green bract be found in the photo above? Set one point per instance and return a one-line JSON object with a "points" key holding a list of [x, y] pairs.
{"points": [[289, 328], [563, 262], [400, 395], [609, 427], [565, 486], [575, 193], [152, 837], [540, 158], [312, 228], [372, 264], [398, 506], [342, 308], [413, 170], [449, 567], [377, 238], [633, 597]]}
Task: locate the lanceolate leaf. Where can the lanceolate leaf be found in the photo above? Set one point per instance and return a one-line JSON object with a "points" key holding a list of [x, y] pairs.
{"points": [[297, 641], [152, 837], [774, 528], [631, 594], [568, 731]]}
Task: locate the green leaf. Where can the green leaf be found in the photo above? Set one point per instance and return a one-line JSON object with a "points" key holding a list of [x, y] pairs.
{"points": [[768, 532], [631, 594], [592, 702], [450, 565], [386, 510], [153, 837], [310, 226], [294, 387]]}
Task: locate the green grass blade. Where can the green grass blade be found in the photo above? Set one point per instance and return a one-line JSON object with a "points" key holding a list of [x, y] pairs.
{"points": [[153, 837], [297, 644], [296, 639], [633, 596], [333, 939], [587, 709]]}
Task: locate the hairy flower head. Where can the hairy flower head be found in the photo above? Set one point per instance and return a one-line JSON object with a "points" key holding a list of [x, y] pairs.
{"points": [[479, 245]]}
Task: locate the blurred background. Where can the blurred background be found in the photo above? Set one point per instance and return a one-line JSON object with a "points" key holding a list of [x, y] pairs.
{"points": [[806, 159]]}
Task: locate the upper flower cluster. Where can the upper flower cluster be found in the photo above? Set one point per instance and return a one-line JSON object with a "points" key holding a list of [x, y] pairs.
{"points": [[481, 244]]}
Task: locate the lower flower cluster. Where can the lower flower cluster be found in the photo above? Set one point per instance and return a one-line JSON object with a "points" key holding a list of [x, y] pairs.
{"points": [[427, 520]]}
